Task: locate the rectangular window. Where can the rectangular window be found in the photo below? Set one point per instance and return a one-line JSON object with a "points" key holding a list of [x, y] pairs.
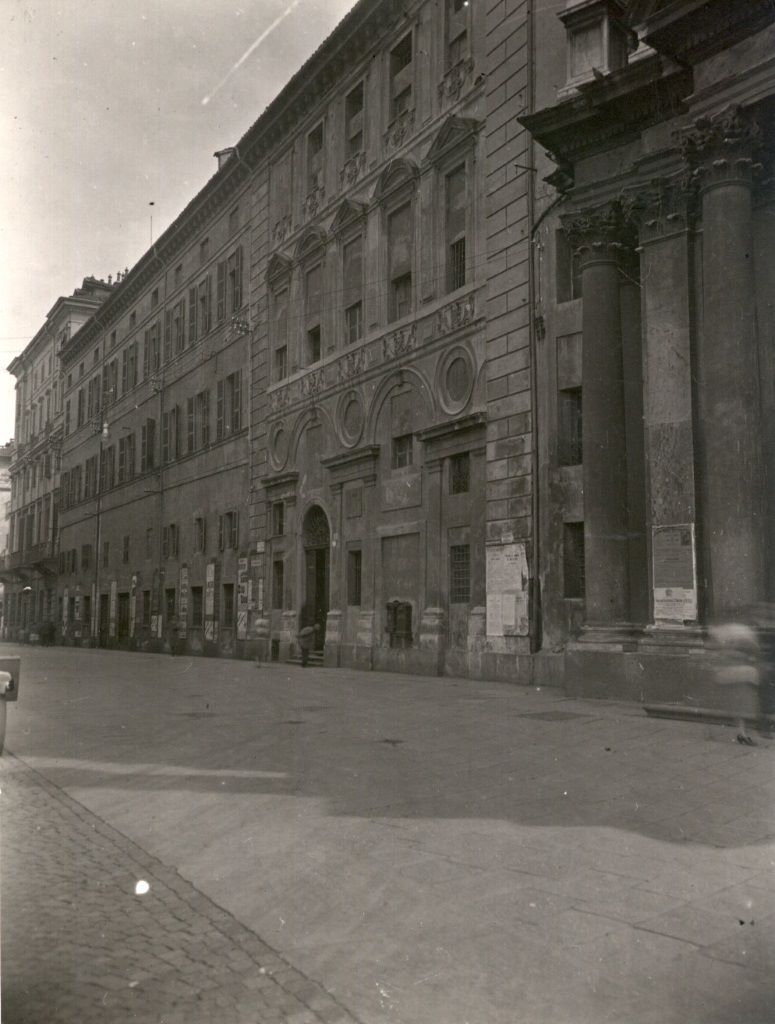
{"points": [[352, 284], [170, 435], [457, 32], [81, 408], [125, 549], [192, 322], [459, 574], [401, 76], [227, 609], [200, 535], [278, 518], [353, 578], [353, 118], [400, 253], [234, 221], [280, 338], [455, 220], [229, 405], [151, 351], [197, 606], [313, 345], [149, 542], [315, 158], [198, 426], [203, 299], [148, 445], [178, 275], [85, 556], [179, 326], [204, 251], [67, 417], [129, 367], [154, 298], [569, 443], [170, 537], [313, 281], [228, 531], [567, 269], [234, 280], [280, 367], [402, 454], [278, 583], [459, 473], [573, 560], [108, 468]]}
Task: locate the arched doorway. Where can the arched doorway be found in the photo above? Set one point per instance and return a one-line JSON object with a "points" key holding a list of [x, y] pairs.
{"points": [[316, 538]]}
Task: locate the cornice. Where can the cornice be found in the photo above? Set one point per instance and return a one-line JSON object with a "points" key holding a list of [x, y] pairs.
{"points": [[690, 31]]}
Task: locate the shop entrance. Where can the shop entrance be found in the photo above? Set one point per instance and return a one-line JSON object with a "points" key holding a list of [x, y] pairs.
{"points": [[317, 553]]}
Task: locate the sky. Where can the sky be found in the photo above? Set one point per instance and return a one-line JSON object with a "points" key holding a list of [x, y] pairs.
{"points": [[109, 106]]}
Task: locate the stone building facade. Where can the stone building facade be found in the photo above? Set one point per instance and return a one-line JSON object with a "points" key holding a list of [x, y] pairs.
{"points": [[29, 565], [392, 473], [654, 267], [154, 530]]}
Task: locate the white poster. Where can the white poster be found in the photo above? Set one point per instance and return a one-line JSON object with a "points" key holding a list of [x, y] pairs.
{"points": [[674, 567], [508, 584]]}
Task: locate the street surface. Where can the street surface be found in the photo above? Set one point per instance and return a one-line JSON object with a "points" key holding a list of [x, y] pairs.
{"points": [[214, 841]]}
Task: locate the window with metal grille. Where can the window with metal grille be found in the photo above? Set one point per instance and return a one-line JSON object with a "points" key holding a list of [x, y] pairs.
{"points": [[399, 623], [280, 333], [570, 451], [352, 287], [278, 582], [460, 573], [456, 203], [402, 452], [459, 473], [353, 578], [573, 560]]}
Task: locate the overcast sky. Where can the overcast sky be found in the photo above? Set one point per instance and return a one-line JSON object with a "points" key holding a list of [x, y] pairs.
{"points": [[103, 113]]}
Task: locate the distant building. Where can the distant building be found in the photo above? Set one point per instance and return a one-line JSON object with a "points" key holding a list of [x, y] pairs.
{"points": [[29, 566], [6, 454]]}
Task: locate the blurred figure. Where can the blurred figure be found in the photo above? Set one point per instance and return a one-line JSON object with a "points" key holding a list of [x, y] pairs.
{"points": [[746, 661]]}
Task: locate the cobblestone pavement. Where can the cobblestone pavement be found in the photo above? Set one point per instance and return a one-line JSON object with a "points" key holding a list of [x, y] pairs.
{"points": [[81, 945]]}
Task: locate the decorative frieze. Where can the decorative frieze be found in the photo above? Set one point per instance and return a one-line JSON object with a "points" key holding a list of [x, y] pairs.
{"points": [[455, 80], [352, 170], [400, 342], [455, 315], [351, 364], [279, 398], [314, 200], [399, 129], [313, 383], [282, 229]]}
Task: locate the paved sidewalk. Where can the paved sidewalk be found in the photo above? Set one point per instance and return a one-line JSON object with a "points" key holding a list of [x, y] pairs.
{"points": [[429, 851], [82, 945]]}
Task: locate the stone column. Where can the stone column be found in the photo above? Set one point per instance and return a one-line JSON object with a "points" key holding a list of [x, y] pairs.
{"points": [[337, 582], [432, 623], [720, 151], [598, 236], [660, 211]]}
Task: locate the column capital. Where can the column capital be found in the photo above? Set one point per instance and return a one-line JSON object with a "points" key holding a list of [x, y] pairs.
{"points": [[599, 234], [659, 208], [721, 149]]}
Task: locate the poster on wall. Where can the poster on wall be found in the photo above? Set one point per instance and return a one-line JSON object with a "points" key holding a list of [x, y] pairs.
{"points": [[113, 605], [674, 567], [183, 602], [507, 590], [242, 599]]}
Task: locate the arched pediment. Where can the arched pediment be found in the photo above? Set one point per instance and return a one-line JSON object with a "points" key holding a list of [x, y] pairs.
{"points": [[397, 173], [279, 266], [312, 239], [347, 213], [455, 133]]}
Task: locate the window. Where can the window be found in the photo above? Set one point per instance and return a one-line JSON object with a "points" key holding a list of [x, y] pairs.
{"points": [[401, 76], [178, 275], [567, 269], [399, 623], [459, 574], [129, 367], [81, 417], [312, 306], [170, 435], [154, 298], [151, 351], [170, 537], [148, 445], [203, 307], [229, 405], [125, 549], [234, 280], [402, 452], [108, 468], [353, 119], [278, 518], [569, 441], [197, 606], [400, 252], [352, 281], [126, 458], [67, 417], [149, 542], [353, 578], [280, 337], [573, 560], [93, 398], [167, 335], [132, 320], [228, 531], [455, 221], [200, 535], [457, 32], [204, 251], [198, 416], [85, 556], [227, 609], [315, 158], [105, 554], [278, 583], [192, 322], [179, 326], [234, 221], [459, 473]]}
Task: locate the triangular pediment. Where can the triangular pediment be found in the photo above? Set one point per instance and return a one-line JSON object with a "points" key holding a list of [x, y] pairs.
{"points": [[455, 133], [347, 213], [312, 239], [279, 266]]}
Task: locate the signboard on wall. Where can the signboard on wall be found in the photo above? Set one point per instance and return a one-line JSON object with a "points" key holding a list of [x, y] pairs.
{"points": [[508, 584], [674, 567], [183, 602], [242, 599]]}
